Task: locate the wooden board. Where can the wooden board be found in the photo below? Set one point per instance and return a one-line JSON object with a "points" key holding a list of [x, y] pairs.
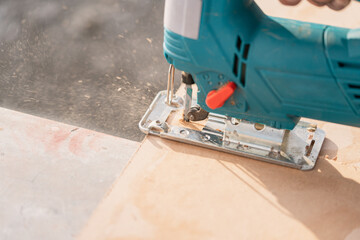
{"points": [[176, 191]]}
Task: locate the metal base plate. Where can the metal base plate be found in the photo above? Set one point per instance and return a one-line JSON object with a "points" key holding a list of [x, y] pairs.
{"points": [[298, 148]]}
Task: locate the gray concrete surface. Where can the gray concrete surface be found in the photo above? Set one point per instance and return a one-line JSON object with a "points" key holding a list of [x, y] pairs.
{"points": [[95, 64], [53, 175], [90, 63]]}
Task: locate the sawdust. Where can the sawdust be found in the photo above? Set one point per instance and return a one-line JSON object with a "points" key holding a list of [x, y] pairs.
{"points": [[176, 119], [327, 157]]}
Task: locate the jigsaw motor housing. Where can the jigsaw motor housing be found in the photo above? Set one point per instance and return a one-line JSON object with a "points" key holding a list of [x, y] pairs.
{"points": [[283, 69]]}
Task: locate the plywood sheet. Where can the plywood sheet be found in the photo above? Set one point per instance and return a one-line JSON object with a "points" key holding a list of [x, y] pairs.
{"points": [[172, 190], [176, 191]]}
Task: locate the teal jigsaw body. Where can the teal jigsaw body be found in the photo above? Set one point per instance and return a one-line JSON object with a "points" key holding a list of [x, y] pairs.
{"points": [[283, 69]]}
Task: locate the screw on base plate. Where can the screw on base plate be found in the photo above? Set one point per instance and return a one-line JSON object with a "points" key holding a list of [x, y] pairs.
{"points": [[196, 113]]}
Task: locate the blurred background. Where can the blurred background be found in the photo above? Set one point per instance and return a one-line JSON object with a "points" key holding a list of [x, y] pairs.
{"points": [[96, 64]]}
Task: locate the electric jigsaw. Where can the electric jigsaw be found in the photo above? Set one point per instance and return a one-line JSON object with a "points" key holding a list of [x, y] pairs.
{"points": [[255, 76]]}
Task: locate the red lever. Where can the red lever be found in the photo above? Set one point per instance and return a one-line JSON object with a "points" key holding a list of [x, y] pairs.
{"points": [[217, 98]]}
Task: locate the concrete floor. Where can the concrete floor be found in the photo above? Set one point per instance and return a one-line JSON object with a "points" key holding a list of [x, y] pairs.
{"points": [[53, 175], [96, 64]]}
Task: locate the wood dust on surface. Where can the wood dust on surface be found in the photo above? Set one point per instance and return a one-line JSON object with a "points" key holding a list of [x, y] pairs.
{"points": [[172, 190]]}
